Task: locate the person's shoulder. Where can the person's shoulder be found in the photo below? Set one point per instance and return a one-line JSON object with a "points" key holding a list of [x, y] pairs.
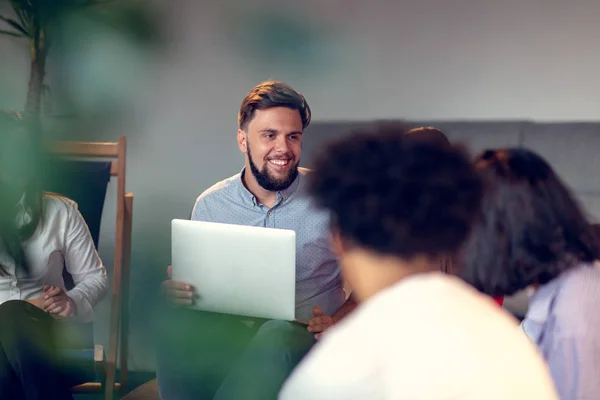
{"points": [[578, 289], [55, 203], [579, 285], [221, 188]]}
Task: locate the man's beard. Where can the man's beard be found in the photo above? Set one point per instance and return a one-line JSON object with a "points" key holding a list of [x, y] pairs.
{"points": [[268, 181]]}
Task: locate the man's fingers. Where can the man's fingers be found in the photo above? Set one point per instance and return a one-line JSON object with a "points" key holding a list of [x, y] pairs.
{"points": [[174, 285], [318, 336], [326, 319], [180, 294], [317, 328], [319, 324], [169, 271], [182, 302], [317, 312]]}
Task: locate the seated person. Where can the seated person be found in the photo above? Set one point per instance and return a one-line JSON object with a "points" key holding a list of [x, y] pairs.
{"points": [[40, 234], [398, 207], [207, 355], [429, 134], [532, 233]]}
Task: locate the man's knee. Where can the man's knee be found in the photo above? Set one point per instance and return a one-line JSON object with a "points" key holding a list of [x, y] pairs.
{"points": [[275, 329], [277, 332]]}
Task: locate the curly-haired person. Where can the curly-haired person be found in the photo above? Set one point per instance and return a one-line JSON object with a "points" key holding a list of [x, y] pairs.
{"points": [[533, 234], [397, 208]]}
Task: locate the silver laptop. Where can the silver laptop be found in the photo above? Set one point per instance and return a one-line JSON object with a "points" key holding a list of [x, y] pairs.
{"points": [[236, 269]]}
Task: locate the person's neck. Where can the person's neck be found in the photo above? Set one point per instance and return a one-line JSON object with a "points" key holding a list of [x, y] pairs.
{"points": [[379, 272], [263, 196]]}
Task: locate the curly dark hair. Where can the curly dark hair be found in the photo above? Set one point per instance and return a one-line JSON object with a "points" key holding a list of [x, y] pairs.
{"points": [[272, 94], [530, 230], [397, 197]]}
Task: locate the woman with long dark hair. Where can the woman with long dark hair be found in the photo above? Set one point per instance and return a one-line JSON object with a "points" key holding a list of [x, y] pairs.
{"points": [[533, 234], [40, 234]]}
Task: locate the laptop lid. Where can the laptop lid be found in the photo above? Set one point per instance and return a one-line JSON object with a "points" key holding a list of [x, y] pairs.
{"points": [[236, 269]]}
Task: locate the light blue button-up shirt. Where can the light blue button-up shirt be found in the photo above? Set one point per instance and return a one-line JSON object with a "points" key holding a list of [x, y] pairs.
{"points": [[564, 321], [318, 280]]}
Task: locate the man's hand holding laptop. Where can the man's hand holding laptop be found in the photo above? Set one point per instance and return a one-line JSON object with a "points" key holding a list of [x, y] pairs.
{"points": [[182, 294], [178, 293], [319, 322]]}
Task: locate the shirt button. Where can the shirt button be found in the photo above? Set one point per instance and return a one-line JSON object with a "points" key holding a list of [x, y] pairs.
{"points": [[269, 213]]}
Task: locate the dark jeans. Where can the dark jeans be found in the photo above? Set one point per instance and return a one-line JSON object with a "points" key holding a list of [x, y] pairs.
{"points": [[205, 355], [28, 364]]}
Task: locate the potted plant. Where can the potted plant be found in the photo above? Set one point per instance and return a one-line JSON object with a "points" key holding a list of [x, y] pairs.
{"points": [[38, 21]]}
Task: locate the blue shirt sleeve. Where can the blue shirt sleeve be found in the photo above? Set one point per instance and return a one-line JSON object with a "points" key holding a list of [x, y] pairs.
{"points": [[574, 363], [200, 211]]}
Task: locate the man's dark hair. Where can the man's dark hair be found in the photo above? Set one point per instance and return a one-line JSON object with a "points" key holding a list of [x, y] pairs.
{"points": [[397, 197], [530, 230], [272, 94], [428, 134]]}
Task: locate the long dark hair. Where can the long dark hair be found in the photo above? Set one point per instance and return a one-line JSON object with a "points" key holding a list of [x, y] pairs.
{"points": [[20, 185], [531, 228]]}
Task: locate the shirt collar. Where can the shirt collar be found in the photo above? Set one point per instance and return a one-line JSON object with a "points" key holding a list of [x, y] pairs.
{"points": [[281, 195]]}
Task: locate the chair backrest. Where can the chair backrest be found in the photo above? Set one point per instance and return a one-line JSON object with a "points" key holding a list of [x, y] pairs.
{"points": [[84, 182], [91, 196]]}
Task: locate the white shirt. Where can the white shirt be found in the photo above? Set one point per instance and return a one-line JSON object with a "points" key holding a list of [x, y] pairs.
{"points": [[62, 239], [429, 337]]}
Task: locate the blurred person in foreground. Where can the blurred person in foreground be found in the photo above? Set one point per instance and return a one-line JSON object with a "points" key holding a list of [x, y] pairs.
{"points": [[429, 134], [532, 234], [397, 208], [40, 234], [209, 355]]}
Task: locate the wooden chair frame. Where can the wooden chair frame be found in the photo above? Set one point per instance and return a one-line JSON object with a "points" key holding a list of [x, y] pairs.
{"points": [[119, 314]]}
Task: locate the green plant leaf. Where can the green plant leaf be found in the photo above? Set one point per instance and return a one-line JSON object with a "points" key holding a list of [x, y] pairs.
{"points": [[10, 33], [21, 4], [14, 24], [24, 18]]}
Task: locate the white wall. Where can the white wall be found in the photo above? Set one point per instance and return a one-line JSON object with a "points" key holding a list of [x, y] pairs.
{"points": [[426, 59]]}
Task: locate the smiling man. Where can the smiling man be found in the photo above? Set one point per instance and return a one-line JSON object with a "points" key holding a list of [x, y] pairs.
{"points": [[207, 355]]}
